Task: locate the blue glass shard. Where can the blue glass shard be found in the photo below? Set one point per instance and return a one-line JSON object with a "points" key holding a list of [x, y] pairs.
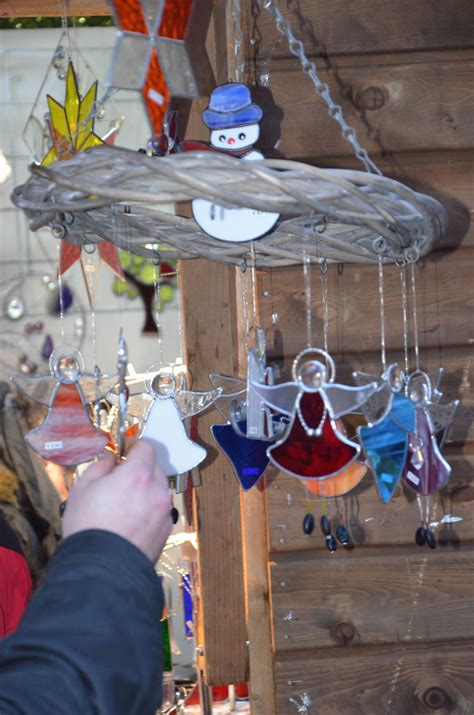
{"points": [[248, 457], [386, 445], [188, 606]]}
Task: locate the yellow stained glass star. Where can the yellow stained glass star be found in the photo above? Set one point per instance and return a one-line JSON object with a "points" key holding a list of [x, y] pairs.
{"points": [[72, 125], [72, 130]]}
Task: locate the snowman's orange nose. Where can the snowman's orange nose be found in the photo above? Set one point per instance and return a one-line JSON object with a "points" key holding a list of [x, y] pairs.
{"points": [[231, 140]]}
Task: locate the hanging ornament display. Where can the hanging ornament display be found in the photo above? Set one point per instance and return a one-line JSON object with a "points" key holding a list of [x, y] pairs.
{"points": [[67, 436], [313, 446], [365, 215], [160, 52], [234, 124]]}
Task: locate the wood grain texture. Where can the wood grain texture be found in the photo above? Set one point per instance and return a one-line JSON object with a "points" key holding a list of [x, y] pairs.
{"points": [[208, 324], [371, 599], [425, 105], [413, 679], [370, 522], [255, 549], [52, 8], [366, 26], [444, 311]]}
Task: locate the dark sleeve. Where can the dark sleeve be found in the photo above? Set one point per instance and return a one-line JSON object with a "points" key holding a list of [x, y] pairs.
{"points": [[90, 640]]}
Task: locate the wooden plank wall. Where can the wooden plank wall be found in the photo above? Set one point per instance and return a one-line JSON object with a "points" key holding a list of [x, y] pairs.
{"points": [[386, 628]]}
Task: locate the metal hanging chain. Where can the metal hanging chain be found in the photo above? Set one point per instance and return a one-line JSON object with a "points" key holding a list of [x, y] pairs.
{"points": [[415, 317], [296, 48], [382, 315]]}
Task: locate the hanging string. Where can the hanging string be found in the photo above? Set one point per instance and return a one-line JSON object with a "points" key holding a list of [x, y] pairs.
{"points": [[238, 60], [60, 288], [323, 267], [403, 290], [254, 286], [415, 316], [308, 300], [157, 298], [382, 315], [65, 27]]}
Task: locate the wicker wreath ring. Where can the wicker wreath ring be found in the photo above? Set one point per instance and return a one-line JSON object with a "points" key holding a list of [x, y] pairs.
{"points": [[118, 195]]}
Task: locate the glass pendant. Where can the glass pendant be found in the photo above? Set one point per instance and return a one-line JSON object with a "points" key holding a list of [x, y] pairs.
{"points": [[248, 457], [386, 445], [430, 473]]}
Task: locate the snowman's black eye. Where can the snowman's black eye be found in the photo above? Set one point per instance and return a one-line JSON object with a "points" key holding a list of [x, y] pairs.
{"points": [[222, 138], [242, 136]]}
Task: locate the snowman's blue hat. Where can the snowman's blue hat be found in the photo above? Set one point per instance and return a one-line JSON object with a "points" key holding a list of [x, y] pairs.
{"points": [[231, 105]]}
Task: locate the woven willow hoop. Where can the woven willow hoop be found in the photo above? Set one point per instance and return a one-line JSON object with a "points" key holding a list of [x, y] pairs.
{"points": [[117, 195]]}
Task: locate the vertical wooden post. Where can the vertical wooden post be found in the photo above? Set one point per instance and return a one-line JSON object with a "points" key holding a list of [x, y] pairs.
{"points": [[207, 304], [231, 525], [255, 539]]}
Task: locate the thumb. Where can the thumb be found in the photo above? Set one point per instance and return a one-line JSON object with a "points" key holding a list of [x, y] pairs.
{"points": [[101, 468]]}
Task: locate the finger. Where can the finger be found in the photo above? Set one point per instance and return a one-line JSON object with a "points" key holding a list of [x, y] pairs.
{"points": [[141, 458], [101, 468]]}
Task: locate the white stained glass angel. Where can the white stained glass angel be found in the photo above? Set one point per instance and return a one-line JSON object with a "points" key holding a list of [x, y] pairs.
{"points": [[162, 409]]}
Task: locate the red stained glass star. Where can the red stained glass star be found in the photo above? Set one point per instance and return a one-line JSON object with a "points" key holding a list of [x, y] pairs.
{"points": [[159, 42]]}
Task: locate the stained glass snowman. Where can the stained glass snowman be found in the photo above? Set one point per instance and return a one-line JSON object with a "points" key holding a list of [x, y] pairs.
{"points": [[234, 124]]}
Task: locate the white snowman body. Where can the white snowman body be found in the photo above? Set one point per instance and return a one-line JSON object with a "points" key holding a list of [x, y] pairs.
{"points": [[234, 225]]}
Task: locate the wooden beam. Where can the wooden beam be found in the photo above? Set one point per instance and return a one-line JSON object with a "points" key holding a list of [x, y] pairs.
{"points": [[207, 299], [52, 8], [255, 545]]}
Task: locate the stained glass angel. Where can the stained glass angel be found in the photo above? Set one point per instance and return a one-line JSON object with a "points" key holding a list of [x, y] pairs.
{"points": [[162, 410], [390, 416], [425, 470], [67, 436], [250, 424], [313, 446]]}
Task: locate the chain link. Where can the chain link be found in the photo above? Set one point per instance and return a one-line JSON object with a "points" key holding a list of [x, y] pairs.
{"points": [[296, 48]]}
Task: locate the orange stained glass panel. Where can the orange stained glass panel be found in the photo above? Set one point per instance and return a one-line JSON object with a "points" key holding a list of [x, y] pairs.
{"points": [[130, 16], [175, 18], [156, 94], [340, 484]]}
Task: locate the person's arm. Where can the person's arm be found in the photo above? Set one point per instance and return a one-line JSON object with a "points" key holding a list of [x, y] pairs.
{"points": [[90, 641]]}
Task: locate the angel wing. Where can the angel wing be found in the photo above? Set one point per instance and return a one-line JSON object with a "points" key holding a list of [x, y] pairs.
{"points": [[138, 405], [96, 387], [191, 403], [378, 405], [232, 389], [39, 389], [441, 416], [281, 398], [229, 386], [340, 399]]}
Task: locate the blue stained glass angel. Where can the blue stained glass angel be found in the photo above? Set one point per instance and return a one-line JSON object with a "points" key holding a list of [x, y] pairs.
{"points": [[390, 419]]}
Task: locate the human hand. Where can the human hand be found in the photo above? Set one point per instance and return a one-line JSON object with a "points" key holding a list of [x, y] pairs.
{"points": [[130, 499]]}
